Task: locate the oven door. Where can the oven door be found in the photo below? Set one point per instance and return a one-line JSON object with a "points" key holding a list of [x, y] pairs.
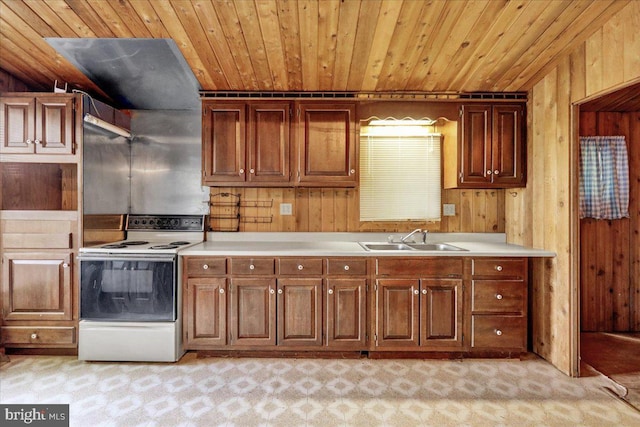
{"points": [[131, 288]]}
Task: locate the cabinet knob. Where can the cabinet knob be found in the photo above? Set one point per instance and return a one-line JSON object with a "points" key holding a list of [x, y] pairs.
{"points": [[29, 141], [346, 268], [279, 291], [496, 172], [252, 267], [300, 267], [498, 268], [415, 291], [489, 172], [65, 265], [424, 292], [37, 141], [241, 171], [330, 291], [252, 171], [498, 332], [205, 267], [498, 296], [221, 291], [271, 291], [34, 336], [352, 171]]}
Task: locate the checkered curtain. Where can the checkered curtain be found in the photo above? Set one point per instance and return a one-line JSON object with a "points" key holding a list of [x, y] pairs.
{"points": [[604, 177]]}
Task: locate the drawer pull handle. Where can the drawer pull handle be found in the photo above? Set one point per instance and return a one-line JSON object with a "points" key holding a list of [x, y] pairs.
{"points": [[498, 332], [498, 268], [330, 291], [346, 268], [34, 336], [416, 292], [252, 267], [279, 291], [205, 267], [271, 291], [221, 291], [498, 296], [300, 267]]}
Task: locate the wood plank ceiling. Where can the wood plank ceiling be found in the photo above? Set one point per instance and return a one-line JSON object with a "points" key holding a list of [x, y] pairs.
{"points": [[308, 45]]}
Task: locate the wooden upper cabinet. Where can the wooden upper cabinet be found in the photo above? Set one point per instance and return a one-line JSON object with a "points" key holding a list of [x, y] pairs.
{"points": [[491, 147], [37, 125], [246, 143], [268, 142], [327, 145], [223, 142]]}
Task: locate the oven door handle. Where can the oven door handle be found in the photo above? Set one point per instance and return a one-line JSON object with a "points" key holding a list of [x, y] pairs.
{"points": [[127, 258]]}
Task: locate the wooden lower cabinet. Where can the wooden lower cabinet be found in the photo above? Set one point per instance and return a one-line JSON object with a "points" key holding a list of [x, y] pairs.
{"points": [[419, 313], [252, 312], [299, 312], [424, 304], [206, 311]]}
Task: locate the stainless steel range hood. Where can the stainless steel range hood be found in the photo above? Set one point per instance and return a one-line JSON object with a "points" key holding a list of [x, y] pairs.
{"points": [[139, 74]]}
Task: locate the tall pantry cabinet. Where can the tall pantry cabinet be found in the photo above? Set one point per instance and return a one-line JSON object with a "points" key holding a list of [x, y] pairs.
{"points": [[40, 219]]}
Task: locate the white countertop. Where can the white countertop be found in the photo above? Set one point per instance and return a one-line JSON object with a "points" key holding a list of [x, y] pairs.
{"points": [[346, 244]]}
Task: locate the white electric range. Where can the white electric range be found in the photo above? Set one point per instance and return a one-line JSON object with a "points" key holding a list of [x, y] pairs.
{"points": [[130, 302]]}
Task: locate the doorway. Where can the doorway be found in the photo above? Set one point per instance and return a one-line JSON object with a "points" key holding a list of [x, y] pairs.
{"points": [[609, 262]]}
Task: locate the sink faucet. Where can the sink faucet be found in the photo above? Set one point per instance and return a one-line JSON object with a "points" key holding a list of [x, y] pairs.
{"points": [[417, 230]]}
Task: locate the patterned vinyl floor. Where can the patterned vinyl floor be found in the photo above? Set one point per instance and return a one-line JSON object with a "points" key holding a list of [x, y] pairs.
{"points": [[315, 392]]}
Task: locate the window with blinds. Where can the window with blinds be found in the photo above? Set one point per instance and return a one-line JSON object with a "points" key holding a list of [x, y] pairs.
{"points": [[400, 173]]}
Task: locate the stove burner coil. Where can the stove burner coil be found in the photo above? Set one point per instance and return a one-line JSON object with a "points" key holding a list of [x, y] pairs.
{"points": [[179, 243], [134, 242], [163, 247], [114, 246]]}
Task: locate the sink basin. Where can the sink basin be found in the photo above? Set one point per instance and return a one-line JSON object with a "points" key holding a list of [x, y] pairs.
{"points": [[386, 247], [434, 247], [437, 247]]}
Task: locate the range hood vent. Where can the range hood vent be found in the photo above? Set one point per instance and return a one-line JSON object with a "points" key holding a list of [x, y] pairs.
{"points": [[138, 74]]}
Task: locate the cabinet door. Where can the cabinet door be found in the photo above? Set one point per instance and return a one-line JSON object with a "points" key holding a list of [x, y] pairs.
{"points": [[205, 312], [37, 286], [17, 125], [268, 142], [327, 145], [346, 313], [223, 142], [475, 144], [397, 305], [54, 125], [253, 316], [441, 313], [508, 157], [299, 307]]}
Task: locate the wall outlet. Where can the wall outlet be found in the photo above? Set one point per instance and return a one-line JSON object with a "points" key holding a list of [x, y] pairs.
{"points": [[286, 209], [449, 209]]}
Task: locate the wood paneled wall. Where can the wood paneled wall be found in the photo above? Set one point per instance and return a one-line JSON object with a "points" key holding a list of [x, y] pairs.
{"points": [[545, 214], [9, 83], [610, 249], [338, 209]]}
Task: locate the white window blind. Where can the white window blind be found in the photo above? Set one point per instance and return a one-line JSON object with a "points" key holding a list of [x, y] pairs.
{"points": [[400, 174]]}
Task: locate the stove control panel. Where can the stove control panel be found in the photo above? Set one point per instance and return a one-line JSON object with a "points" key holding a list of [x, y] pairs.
{"points": [[166, 222]]}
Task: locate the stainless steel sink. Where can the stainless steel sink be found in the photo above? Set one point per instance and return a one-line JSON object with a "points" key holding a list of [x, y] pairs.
{"points": [[434, 247], [423, 247]]}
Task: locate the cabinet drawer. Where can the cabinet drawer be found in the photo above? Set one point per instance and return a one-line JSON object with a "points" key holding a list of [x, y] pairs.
{"points": [[205, 266], [498, 296], [441, 267], [252, 266], [500, 267], [38, 336], [301, 267], [498, 332], [346, 266], [37, 241]]}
